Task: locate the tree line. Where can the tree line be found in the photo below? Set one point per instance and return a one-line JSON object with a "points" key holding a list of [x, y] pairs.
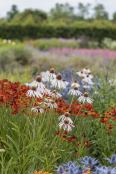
{"points": [[61, 12]]}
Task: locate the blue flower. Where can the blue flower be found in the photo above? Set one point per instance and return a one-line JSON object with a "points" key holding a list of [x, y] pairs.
{"points": [[112, 160], [88, 161]]}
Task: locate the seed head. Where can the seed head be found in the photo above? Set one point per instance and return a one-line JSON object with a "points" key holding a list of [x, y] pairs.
{"points": [[81, 72], [34, 88], [38, 107], [59, 76], [75, 81], [63, 80], [85, 94], [67, 114], [66, 121], [75, 88], [38, 79], [54, 91], [52, 70], [52, 101]]}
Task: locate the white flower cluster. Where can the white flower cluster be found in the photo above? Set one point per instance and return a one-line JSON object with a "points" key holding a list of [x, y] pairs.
{"points": [[8, 41]]}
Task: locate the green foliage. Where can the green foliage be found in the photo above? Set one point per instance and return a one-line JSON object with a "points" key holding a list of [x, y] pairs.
{"points": [[47, 44], [93, 30], [31, 17], [114, 17], [100, 12], [109, 43], [83, 10], [12, 13], [61, 11]]}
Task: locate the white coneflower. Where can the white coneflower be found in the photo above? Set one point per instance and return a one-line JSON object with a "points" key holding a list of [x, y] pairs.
{"points": [[86, 70], [38, 83], [65, 82], [50, 75], [90, 76], [85, 97], [28, 84], [75, 91], [112, 82], [37, 109], [58, 95], [34, 92], [13, 43], [52, 104], [45, 75], [5, 41], [86, 86], [47, 72], [2, 150], [9, 41], [75, 83], [58, 82], [96, 92], [46, 90], [81, 74], [48, 99], [43, 104], [66, 125], [66, 116], [87, 79]]}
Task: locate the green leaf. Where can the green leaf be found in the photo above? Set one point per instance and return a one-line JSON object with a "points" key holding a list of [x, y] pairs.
{"points": [[16, 145], [14, 125]]}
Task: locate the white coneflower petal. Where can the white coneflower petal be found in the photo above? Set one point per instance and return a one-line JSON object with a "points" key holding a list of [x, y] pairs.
{"points": [[66, 116], [33, 92], [38, 83], [81, 74], [58, 82], [54, 93], [66, 125], [112, 82], [37, 109], [86, 70], [85, 97], [52, 104], [75, 91], [86, 86], [75, 84]]}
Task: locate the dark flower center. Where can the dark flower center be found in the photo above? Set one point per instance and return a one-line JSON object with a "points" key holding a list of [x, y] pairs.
{"points": [[52, 70], [66, 121], [34, 88], [38, 79], [85, 94], [59, 76], [67, 114]]}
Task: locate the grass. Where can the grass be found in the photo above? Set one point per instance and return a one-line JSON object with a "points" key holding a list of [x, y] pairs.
{"points": [[30, 140]]}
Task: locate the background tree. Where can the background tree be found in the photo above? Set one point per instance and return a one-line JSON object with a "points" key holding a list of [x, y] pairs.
{"points": [[114, 16], [61, 11], [83, 10], [29, 16], [99, 12], [12, 13]]}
